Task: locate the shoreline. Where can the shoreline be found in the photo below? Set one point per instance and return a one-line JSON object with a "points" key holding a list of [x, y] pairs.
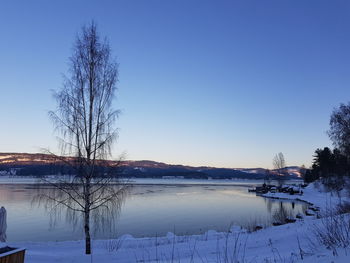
{"points": [[286, 198], [257, 246]]}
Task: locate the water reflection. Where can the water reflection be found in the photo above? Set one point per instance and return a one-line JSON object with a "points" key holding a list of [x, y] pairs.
{"points": [[149, 210], [66, 204]]}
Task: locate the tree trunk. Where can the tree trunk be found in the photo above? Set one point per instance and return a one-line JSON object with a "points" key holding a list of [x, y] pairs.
{"points": [[87, 233], [87, 219]]}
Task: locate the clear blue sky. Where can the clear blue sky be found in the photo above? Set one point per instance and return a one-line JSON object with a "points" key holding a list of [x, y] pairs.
{"points": [[219, 83]]}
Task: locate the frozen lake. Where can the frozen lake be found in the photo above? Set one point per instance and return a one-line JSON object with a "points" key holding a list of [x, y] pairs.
{"points": [[153, 208]]}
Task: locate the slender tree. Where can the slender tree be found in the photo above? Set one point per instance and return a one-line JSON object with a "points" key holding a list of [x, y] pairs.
{"points": [[85, 121], [339, 131], [279, 164]]}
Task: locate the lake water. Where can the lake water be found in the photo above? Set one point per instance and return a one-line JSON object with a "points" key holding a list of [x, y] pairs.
{"points": [[153, 208]]}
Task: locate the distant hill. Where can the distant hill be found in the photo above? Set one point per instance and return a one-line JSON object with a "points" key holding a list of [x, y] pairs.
{"points": [[44, 164], [291, 170]]}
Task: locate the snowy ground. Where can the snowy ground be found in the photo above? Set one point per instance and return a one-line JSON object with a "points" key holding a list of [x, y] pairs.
{"points": [[286, 243], [314, 194]]}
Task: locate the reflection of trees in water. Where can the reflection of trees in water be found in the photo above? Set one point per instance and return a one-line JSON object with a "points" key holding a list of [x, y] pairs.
{"points": [[282, 213], [269, 204], [280, 210], [103, 218]]}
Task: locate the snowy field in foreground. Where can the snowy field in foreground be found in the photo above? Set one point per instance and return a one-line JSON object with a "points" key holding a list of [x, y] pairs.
{"points": [[286, 243]]}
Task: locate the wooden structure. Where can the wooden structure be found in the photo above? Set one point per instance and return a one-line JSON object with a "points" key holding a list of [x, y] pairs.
{"points": [[12, 255]]}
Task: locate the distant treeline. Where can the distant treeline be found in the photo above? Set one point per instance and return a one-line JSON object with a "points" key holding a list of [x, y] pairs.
{"points": [[35, 170], [138, 172]]}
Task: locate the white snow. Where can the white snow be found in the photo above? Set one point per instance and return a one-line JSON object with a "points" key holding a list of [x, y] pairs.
{"points": [[314, 194], [273, 244]]}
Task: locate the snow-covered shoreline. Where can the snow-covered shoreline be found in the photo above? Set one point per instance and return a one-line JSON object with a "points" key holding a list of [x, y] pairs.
{"points": [[312, 195], [285, 243]]}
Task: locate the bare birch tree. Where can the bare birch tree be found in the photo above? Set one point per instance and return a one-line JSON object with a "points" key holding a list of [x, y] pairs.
{"points": [[279, 164], [85, 121]]}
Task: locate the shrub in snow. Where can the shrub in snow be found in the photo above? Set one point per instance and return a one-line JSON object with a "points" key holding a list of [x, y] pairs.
{"points": [[113, 245], [334, 231], [343, 208]]}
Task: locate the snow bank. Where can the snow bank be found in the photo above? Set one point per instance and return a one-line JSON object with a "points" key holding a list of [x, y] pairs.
{"points": [[275, 244], [313, 194]]}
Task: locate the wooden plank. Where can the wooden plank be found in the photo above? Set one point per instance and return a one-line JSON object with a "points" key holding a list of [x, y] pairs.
{"points": [[17, 257]]}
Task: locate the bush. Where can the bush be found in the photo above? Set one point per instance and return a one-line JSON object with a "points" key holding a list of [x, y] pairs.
{"points": [[334, 231], [343, 208]]}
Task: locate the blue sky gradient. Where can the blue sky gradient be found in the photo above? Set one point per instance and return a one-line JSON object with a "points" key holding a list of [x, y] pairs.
{"points": [[218, 83]]}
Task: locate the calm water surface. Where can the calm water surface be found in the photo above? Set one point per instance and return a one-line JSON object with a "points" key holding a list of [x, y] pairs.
{"points": [[153, 207]]}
